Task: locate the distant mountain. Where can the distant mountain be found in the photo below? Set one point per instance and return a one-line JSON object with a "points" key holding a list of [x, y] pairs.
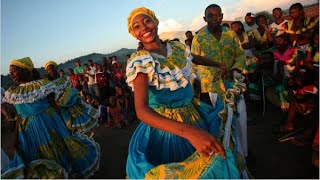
{"points": [[96, 57], [6, 81]]}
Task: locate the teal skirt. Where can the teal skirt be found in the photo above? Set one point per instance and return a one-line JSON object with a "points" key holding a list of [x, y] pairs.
{"points": [[46, 149], [156, 154]]}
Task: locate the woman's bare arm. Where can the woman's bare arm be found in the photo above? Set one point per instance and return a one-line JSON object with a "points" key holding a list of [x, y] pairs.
{"points": [[201, 140]]}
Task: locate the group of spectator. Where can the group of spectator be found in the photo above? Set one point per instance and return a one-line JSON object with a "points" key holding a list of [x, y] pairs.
{"points": [[103, 86], [282, 58]]}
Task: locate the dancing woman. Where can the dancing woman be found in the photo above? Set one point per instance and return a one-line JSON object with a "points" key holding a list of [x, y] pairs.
{"points": [[78, 116], [177, 135], [44, 148]]}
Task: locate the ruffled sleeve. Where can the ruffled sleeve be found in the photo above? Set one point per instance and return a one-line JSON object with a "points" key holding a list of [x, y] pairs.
{"points": [[140, 62], [61, 84], [29, 92], [160, 76]]}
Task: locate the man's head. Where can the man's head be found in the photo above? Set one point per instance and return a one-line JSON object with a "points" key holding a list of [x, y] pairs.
{"points": [[213, 16], [282, 41], [70, 71], [296, 11], [78, 62], [90, 62], [261, 20], [189, 35], [86, 67], [277, 13], [61, 72], [128, 57], [249, 19]]}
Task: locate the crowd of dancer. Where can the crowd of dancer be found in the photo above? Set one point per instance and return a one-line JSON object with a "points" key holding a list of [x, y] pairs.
{"points": [[189, 97]]}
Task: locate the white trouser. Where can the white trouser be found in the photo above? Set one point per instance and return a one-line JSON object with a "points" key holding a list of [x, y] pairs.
{"points": [[241, 127], [213, 98]]}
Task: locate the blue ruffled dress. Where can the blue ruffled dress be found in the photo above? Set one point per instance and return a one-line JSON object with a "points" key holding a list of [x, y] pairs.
{"points": [[78, 115], [45, 148], [156, 154]]}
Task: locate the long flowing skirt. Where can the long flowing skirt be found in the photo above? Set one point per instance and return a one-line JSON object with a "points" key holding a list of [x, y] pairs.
{"points": [[160, 155], [46, 149]]}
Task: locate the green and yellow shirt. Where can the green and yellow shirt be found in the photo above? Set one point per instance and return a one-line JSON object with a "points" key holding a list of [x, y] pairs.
{"points": [[226, 51]]}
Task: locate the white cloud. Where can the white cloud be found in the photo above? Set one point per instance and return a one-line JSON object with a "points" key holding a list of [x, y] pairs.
{"points": [[230, 11], [197, 23], [171, 25]]}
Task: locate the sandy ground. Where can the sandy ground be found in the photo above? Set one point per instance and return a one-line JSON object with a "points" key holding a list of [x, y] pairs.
{"points": [[267, 158]]}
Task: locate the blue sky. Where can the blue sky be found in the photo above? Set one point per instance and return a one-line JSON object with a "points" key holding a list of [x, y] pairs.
{"points": [[60, 30]]}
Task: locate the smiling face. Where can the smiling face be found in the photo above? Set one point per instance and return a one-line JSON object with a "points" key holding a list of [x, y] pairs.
{"points": [[277, 13], [19, 75], [144, 28], [15, 73]]}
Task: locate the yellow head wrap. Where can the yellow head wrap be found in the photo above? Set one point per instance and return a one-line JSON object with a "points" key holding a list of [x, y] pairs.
{"points": [[24, 63], [138, 11], [50, 63]]}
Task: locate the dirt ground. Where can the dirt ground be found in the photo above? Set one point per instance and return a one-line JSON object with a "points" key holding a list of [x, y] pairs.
{"points": [[267, 158]]}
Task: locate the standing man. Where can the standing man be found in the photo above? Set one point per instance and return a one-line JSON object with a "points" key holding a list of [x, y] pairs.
{"points": [[79, 69], [92, 82], [219, 44], [92, 66], [301, 27], [280, 25]]}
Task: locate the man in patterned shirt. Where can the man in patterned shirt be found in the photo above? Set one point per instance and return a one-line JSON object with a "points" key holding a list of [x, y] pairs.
{"points": [[219, 44]]}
